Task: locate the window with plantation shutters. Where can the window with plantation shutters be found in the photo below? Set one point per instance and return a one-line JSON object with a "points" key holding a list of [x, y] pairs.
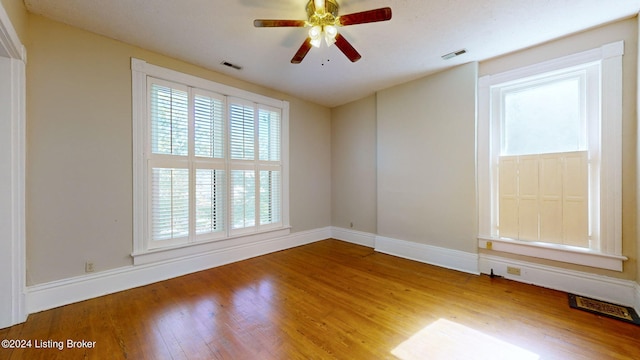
{"points": [[210, 162]]}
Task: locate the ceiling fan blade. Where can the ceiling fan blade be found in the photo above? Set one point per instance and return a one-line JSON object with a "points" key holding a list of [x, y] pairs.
{"points": [[382, 14], [278, 23], [347, 49], [302, 52]]}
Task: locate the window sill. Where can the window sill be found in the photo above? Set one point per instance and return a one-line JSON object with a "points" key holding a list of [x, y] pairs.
{"points": [[561, 253], [200, 248]]}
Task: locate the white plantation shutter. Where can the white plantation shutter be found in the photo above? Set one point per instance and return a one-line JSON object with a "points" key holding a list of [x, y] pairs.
{"points": [[269, 133], [169, 119], [209, 125], [169, 191], [270, 197], [243, 199], [210, 176], [210, 199], [241, 130], [169, 203]]}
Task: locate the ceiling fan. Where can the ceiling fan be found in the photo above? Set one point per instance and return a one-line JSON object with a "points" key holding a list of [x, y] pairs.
{"points": [[323, 19]]}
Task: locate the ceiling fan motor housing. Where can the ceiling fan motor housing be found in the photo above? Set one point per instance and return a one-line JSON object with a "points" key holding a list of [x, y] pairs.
{"points": [[330, 8]]}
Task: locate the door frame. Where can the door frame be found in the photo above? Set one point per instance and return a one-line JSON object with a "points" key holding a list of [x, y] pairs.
{"points": [[13, 165]]}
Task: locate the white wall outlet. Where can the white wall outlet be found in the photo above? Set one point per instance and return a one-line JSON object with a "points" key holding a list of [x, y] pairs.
{"points": [[89, 267]]}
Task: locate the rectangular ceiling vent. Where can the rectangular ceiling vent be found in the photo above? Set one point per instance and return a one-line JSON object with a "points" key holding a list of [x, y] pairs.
{"points": [[226, 63], [454, 54]]}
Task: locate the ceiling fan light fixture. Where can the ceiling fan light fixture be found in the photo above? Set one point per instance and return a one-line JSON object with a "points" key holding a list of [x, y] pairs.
{"points": [[315, 34], [323, 21], [330, 33]]}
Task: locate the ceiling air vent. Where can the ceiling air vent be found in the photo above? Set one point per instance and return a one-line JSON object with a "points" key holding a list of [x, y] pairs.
{"points": [[453, 54], [226, 63]]}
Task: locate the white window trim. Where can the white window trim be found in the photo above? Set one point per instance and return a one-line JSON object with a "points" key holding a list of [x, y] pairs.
{"points": [[142, 253], [610, 254]]}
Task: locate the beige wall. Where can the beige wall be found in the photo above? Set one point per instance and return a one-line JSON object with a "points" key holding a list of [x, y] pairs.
{"points": [[79, 144], [353, 165], [426, 160], [422, 135], [626, 30], [310, 154], [18, 15]]}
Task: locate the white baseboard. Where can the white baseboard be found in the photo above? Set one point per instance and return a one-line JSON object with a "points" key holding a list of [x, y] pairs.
{"points": [[604, 288], [623, 292], [446, 258], [354, 236], [62, 292]]}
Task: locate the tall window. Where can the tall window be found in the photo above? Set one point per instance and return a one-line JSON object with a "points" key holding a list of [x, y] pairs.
{"points": [[543, 163], [210, 164], [550, 159]]}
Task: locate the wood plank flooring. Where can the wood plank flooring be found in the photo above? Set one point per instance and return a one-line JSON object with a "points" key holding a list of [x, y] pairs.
{"points": [[327, 300]]}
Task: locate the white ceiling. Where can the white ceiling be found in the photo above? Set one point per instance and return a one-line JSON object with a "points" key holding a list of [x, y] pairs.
{"points": [[409, 46]]}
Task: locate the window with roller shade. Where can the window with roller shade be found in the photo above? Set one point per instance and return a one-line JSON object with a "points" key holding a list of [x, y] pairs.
{"points": [[213, 165]]}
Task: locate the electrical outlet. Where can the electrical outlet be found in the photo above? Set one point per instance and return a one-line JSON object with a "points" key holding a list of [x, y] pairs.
{"points": [[513, 270], [89, 267]]}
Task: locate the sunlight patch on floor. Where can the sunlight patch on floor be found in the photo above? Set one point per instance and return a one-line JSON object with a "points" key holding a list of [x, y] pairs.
{"points": [[445, 339]]}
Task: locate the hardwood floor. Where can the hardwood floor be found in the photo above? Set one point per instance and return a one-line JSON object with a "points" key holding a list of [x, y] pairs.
{"points": [[327, 300]]}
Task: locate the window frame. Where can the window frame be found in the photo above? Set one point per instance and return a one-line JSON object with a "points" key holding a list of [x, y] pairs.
{"points": [[144, 249], [609, 255]]}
